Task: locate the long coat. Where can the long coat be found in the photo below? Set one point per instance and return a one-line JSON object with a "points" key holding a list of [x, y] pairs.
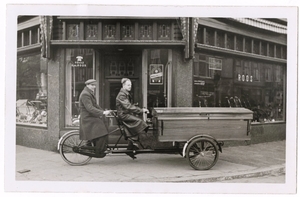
{"points": [[92, 124], [127, 113]]}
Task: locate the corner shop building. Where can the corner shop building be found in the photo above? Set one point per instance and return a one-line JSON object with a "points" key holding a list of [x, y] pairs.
{"points": [[172, 62]]}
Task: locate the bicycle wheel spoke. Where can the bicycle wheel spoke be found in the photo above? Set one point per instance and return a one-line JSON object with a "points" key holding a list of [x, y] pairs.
{"points": [[66, 150], [202, 154]]}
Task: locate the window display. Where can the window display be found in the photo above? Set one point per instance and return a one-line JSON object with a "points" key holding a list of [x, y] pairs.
{"points": [[31, 104], [255, 85], [157, 87], [79, 68]]}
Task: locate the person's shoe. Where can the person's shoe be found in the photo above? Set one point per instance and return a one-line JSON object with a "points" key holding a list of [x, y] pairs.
{"points": [[134, 143], [100, 155], [131, 155]]}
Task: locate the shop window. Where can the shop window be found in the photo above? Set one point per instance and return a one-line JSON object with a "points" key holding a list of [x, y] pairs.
{"points": [[31, 104], [246, 71], [255, 85], [157, 78], [278, 73], [79, 68], [255, 72], [268, 73]]}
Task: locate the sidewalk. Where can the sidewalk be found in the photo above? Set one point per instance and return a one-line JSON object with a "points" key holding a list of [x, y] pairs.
{"points": [[235, 162], [149, 173]]}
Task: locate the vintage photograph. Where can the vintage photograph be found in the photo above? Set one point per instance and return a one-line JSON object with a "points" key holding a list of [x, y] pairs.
{"points": [[190, 98]]}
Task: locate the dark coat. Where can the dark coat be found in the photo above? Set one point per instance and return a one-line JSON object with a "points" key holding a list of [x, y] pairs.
{"points": [[127, 113], [92, 124]]}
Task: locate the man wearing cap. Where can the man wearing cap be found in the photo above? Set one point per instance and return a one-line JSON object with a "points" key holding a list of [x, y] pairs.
{"points": [[92, 125]]}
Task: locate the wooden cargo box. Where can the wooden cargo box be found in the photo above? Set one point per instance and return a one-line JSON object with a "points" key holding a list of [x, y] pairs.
{"points": [[182, 123]]}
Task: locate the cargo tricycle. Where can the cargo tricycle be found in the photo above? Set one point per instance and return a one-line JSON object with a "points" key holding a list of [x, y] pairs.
{"points": [[195, 133]]}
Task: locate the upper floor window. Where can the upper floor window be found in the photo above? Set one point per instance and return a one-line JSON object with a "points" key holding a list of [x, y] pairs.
{"points": [[109, 31], [164, 31], [28, 36], [145, 32], [127, 32], [91, 31], [73, 31]]}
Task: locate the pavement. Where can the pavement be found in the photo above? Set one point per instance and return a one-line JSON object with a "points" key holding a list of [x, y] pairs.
{"points": [[234, 162]]}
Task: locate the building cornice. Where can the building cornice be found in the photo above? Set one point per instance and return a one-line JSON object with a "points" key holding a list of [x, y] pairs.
{"points": [[239, 53], [263, 24]]}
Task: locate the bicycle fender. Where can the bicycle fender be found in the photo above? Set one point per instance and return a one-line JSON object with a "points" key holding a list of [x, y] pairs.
{"points": [[62, 137], [198, 136]]}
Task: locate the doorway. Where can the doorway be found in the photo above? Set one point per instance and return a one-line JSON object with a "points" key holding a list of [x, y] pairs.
{"points": [[117, 66]]}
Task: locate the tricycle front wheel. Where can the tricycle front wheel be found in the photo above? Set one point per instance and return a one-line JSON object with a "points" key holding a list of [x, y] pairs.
{"points": [[202, 153], [67, 146]]}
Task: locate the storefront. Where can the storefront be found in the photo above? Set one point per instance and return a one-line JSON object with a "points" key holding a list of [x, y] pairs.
{"points": [[56, 55]]}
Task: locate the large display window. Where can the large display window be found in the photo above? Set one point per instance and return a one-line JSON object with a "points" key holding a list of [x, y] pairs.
{"points": [[79, 68], [232, 82], [31, 104], [157, 78]]}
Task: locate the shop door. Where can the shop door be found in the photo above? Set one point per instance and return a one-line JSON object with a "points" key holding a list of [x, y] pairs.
{"points": [[118, 66]]}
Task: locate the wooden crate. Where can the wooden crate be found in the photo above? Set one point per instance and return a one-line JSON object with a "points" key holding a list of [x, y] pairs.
{"points": [[181, 124]]}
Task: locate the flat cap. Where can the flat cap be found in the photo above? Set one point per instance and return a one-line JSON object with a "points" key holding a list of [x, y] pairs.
{"points": [[91, 81]]}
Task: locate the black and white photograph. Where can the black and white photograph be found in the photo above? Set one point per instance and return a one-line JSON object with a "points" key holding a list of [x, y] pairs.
{"points": [[150, 99]]}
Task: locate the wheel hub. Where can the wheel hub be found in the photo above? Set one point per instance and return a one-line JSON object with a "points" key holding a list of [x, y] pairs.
{"points": [[75, 149]]}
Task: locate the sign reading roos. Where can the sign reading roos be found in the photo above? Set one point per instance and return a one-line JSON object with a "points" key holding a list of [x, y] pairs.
{"points": [[156, 74], [79, 62]]}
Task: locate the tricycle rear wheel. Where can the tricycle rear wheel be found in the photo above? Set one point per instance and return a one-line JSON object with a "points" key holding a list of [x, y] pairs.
{"points": [[202, 153]]}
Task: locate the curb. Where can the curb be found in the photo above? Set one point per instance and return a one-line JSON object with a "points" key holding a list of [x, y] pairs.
{"points": [[260, 172]]}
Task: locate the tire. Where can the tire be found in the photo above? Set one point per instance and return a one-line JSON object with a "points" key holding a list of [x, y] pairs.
{"points": [[202, 153], [70, 141]]}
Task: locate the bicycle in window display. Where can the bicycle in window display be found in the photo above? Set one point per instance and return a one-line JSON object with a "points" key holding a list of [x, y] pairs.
{"points": [[197, 134]]}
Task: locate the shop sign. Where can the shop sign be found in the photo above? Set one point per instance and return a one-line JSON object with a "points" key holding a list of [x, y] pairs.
{"points": [[156, 74], [215, 63], [79, 62], [245, 78], [199, 82]]}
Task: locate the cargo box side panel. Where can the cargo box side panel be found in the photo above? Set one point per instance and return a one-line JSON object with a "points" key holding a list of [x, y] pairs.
{"points": [[182, 130]]}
